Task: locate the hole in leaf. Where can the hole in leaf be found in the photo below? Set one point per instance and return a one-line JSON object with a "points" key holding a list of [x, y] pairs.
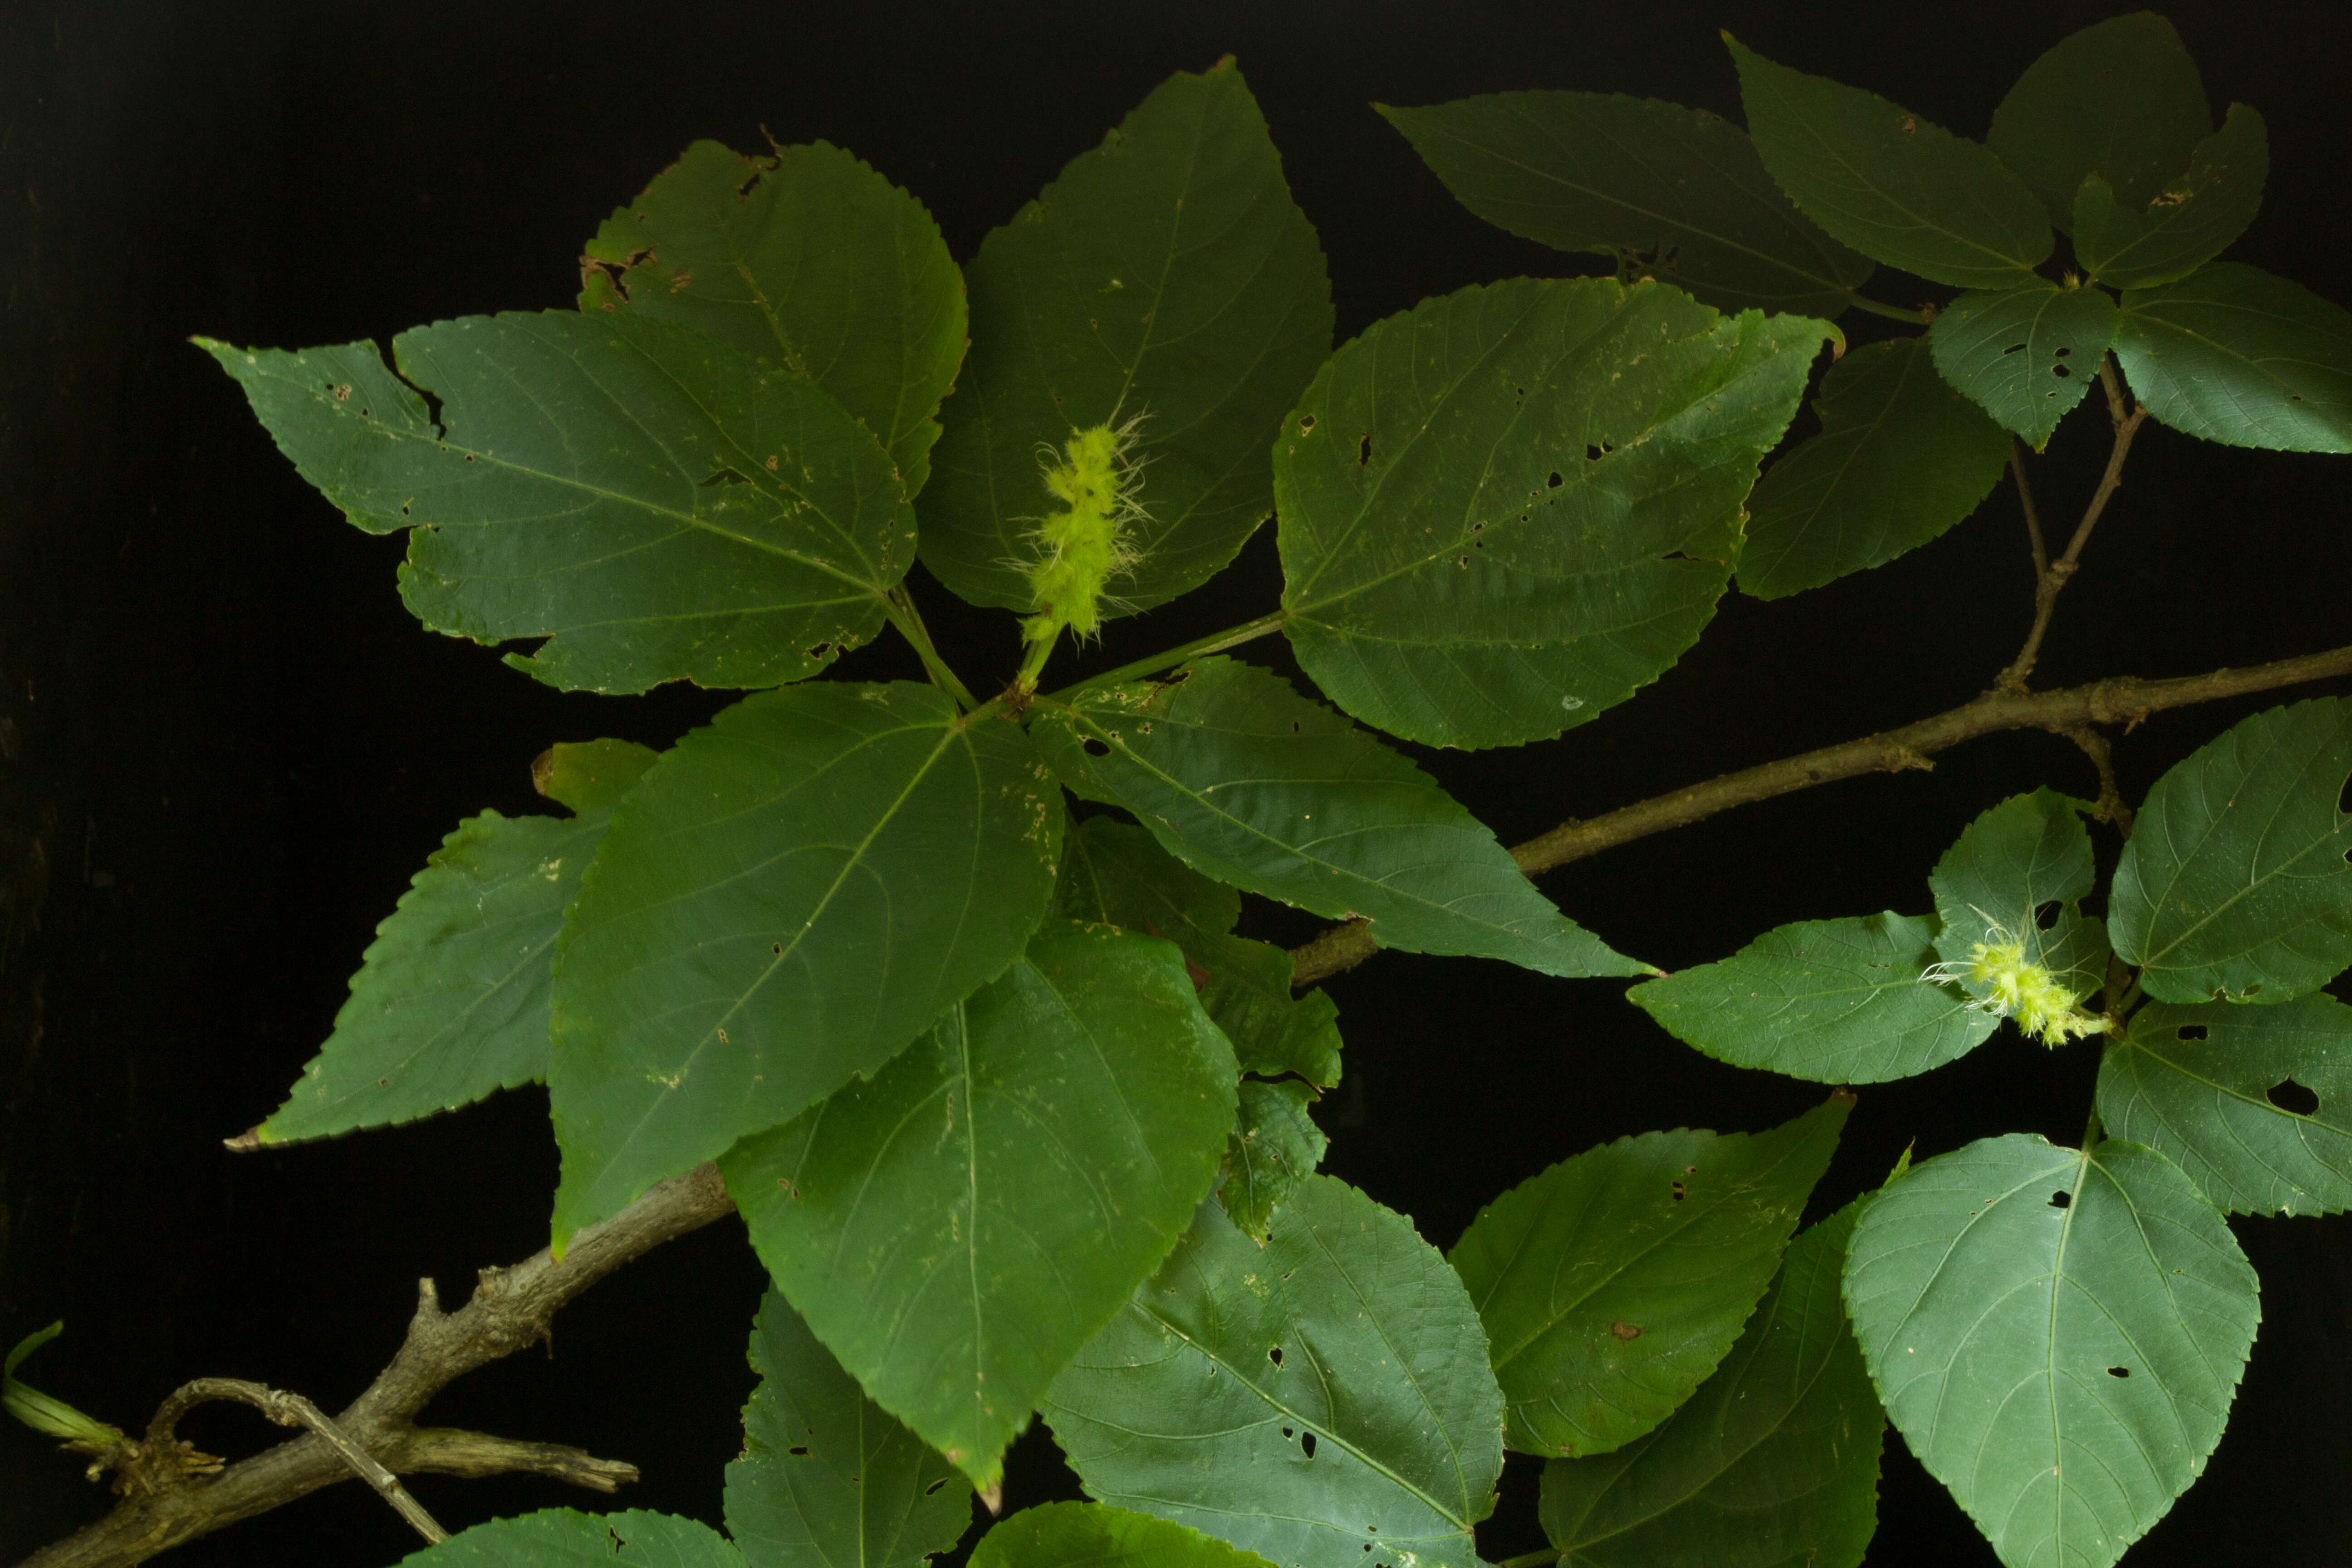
{"points": [[2118, 1372], [1306, 423], [2014, 349], [1095, 748], [1286, 1432], [1364, 451], [1555, 481], [778, 949], [2062, 351], [799, 1448], [2061, 1199], [2293, 1098], [1307, 1444], [2254, 989], [932, 1489], [2046, 916], [1594, 454], [1680, 1191], [2190, 1032], [1275, 1355], [2060, 370]]}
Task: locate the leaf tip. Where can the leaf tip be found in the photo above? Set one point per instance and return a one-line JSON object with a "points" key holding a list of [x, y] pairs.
{"points": [[247, 1142]]}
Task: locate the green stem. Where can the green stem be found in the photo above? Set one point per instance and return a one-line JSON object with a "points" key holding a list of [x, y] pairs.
{"points": [[1032, 662], [2092, 1132], [900, 609], [1877, 307], [1215, 642]]}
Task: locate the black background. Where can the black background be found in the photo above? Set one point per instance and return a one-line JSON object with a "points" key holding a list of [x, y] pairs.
{"points": [[224, 747]]}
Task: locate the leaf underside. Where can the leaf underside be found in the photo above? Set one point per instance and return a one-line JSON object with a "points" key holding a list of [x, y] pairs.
{"points": [[657, 503], [1773, 1462], [1834, 1001], [2255, 1103], [826, 1479], [1670, 193], [1902, 456], [1250, 783], [805, 257], [1323, 1401], [1896, 187], [2235, 882], [2234, 355], [1611, 1284], [789, 898], [957, 1228], [2057, 1335], [1505, 510], [1167, 277]]}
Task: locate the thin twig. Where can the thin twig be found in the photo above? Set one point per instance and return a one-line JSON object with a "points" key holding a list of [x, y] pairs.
{"points": [[292, 1410], [2053, 578], [510, 1309], [2103, 757], [2124, 700], [2032, 517]]}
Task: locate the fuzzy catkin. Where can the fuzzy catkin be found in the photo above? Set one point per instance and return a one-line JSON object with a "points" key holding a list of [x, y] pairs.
{"points": [[1081, 547]]}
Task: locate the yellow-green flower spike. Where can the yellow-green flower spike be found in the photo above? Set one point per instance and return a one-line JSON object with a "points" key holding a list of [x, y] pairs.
{"points": [[1081, 547], [2015, 987]]}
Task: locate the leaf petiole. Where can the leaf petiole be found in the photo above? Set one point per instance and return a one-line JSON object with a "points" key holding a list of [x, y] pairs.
{"points": [[900, 609], [1880, 307], [1215, 642]]}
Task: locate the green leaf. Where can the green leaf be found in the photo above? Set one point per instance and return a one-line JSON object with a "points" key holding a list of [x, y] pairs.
{"points": [[1274, 1146], [789, 897], [2023, 868], [2026, 355], [450, 1003], [957, 1228], [2255, 1103], [1323, 1401], [1676, 194], [1611, 1284], [2234, 354], [1772, 1463], [560, 1538], [1088, 1535], [1165, 275], [2058, 1335], [1116, 873], [658, 504], [590, 776], [1246, 782], [1897, 188], [1901, 458], [44, 1413], [827, 1479], [1508, 507], [2235, 883], [805, 257], [2187, 224], [1834, 1001], [2120, 99]]}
